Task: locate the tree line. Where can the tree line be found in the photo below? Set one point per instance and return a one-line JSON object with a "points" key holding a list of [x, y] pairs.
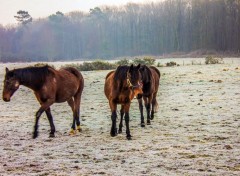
{"points": [[134, 29]]}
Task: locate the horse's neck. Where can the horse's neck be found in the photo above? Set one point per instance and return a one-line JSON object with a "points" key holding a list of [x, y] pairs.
{"points": [[26, 80], [30, 86]]}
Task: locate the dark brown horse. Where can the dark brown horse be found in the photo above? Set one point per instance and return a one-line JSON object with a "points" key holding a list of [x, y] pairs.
{"points": [[120, 88], [49, 86], [150, 79]]}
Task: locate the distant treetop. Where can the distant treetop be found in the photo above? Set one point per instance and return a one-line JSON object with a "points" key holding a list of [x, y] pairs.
{"points": [[23, 17]]}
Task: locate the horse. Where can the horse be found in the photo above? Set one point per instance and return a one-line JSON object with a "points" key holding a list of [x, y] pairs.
{"points": [[121, 86], [150, 78], [49, 86]]}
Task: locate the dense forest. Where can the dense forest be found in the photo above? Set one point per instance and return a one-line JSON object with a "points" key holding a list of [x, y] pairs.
{"points": [[134, 29]]}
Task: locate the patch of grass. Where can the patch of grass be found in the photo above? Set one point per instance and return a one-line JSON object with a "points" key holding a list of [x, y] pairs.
{"points": [[159, 64], [95, 65], [104, 65], [123, 62], [145, 61], [42, 65], [212, 60], [171, 64]]}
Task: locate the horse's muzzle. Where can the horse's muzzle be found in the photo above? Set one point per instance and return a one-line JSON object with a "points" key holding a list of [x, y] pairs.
{"points": [[6, 99], [138, 86], [137, 89]]}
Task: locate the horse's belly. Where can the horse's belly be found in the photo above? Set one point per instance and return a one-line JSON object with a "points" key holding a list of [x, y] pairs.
{"points": [[64, 93]]}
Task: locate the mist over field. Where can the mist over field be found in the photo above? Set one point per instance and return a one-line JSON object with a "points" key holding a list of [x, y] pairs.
{"points": [[164, 28]]}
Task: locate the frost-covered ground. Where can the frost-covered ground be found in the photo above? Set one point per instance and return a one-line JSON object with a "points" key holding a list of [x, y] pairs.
{"points": [[195, 132]]}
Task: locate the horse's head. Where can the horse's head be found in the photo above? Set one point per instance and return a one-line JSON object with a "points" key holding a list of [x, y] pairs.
{"points": [[11, 84], [134, 79]]}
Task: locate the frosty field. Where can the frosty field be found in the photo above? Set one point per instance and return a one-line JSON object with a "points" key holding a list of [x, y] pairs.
{"points": [[196, 130]]}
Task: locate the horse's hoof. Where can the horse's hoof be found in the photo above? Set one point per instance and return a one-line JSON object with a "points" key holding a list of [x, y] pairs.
{"points": [[72, 132], [129, 137], [35, 135], [79, 129], [148, 122], [119, 131], [51, 135], [142, 124], [152, 117], [113, 134]]}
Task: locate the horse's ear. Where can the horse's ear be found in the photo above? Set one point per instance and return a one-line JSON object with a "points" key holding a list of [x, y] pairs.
{"points": [[7, 70], [142, 68], [139, 66], [131, 68]]}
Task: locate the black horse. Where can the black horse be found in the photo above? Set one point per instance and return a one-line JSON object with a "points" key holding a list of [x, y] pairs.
{"points": [[150, 79]]}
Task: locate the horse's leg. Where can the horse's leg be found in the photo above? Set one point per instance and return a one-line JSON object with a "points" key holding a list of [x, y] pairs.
{"points": [[71, 104], [126, 110], [113, 107], [50, 119], [154, 103], [141, 111], [44, 107], [77, 101], [120, 124], [148, 107]]}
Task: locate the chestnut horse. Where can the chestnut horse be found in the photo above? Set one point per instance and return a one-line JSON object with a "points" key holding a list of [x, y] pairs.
{"points": [[49, 86], [120, 88], [150, 79]]}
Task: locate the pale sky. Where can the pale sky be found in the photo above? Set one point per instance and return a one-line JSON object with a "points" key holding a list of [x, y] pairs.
{"points": [[44, 8]]}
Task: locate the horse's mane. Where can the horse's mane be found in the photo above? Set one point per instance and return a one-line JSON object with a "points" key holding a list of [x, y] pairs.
{"points": [[32, 75], [121, 73]]}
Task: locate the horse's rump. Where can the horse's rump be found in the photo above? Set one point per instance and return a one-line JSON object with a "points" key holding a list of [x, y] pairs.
{"points": [[109, 74], [74, 71], [156, 70], [157, 75], [77, 75]]}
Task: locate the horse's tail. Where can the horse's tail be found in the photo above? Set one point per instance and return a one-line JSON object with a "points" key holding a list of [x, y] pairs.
{"points": [[155, 108]]}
